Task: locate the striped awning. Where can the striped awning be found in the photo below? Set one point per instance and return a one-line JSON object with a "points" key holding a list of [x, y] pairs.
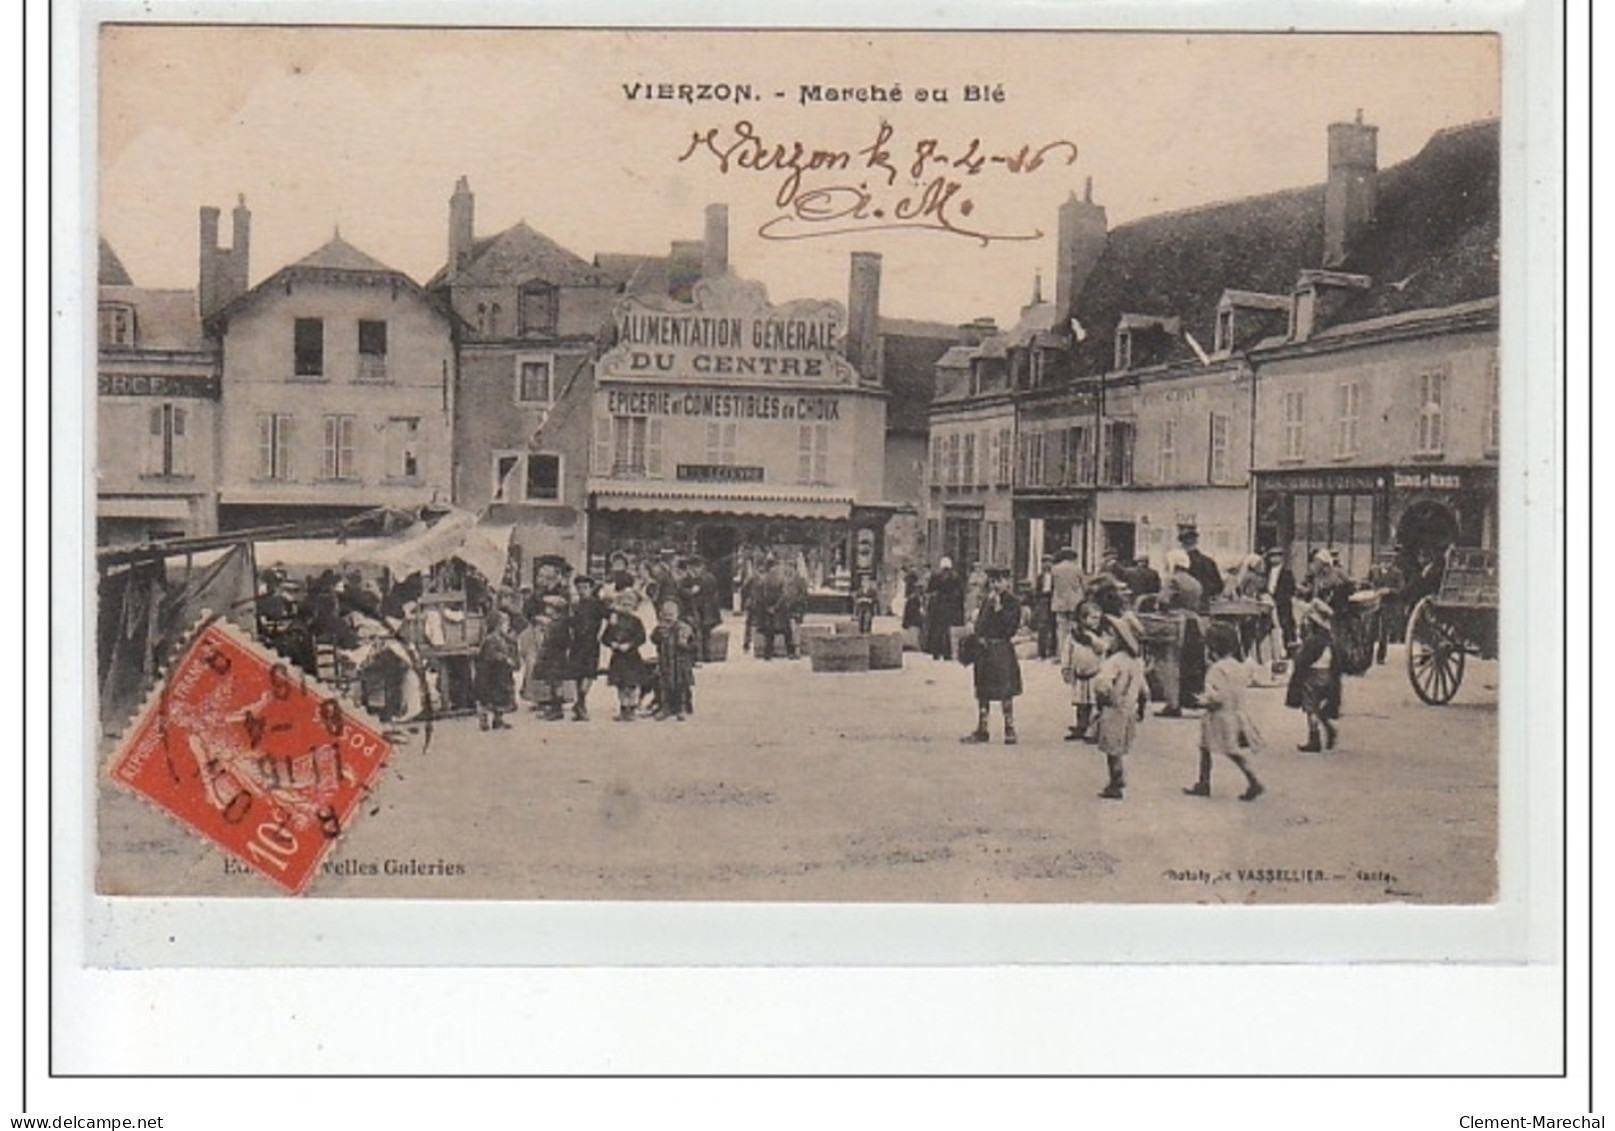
{"points": [[710, 498]]}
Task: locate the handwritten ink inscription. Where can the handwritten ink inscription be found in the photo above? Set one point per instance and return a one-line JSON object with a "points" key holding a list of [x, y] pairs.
{"points": [[887, 184]]}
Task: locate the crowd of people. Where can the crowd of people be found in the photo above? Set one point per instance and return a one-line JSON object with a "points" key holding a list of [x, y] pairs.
{"points": [[1131, 634]]}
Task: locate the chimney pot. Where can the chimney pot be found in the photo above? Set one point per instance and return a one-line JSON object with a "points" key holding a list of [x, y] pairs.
{"points": [[1351, 192], [863, 316]]}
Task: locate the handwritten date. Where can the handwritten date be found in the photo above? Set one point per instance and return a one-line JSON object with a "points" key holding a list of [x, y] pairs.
{"points": [[930, 196]]}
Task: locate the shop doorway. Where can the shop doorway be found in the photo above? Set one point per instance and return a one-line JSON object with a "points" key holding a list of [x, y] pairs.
{"points": [[1426, 530], [1119, 539], [718, 544]]}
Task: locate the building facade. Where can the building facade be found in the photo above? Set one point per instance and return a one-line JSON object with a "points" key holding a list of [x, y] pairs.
{"points": [[529, 316], [157, 398], [732, 428], [336, 393], [1381, 432], [970, 512]]}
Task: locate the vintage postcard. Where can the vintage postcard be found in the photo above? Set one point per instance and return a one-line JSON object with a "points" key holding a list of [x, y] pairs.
{"points": [[800, 467]]}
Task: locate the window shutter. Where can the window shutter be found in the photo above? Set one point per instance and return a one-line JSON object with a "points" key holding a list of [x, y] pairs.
{"points": [[821, 453], [283, 446], [804, 453], [653, 447], [602, 446], [180, 446], [328, 449], [154, 441]]}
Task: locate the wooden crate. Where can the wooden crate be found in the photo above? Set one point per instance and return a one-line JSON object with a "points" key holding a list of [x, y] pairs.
{"points": [[839, 653]]}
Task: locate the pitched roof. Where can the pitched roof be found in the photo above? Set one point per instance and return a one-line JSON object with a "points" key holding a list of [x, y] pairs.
{"points": [[910, 352], [1432, 243], [164, 319], [111, 272], [337, 254], [519, 255]]}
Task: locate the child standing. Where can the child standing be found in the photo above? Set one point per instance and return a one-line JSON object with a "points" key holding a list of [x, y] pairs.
{"points": [[1120, 693], [1315, 682], [1224, 721], [496, 667], [675, 663], [587, 614], [552, 667], [623, 636], [998, 672], [1079, 663]]}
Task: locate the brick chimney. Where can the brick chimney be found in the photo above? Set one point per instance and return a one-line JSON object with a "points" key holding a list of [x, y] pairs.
{"points": [[462, 209], [978, 330], [684, 263], [863, 317], [221, 272], [1350, 194], [715, 247], [1083, 231]]}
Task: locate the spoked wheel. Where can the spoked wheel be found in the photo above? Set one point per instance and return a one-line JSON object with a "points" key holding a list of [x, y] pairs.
{"points": [[1435, 656]]}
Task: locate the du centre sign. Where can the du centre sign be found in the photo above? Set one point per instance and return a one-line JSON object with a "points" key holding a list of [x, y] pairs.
{"points": [[729, 334]]}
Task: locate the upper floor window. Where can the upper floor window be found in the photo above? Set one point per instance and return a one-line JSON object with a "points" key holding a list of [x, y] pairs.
{"points": [[1166, 464], [967, 460], [1119, 453], [543, 480], [403, 447], [813, 453], [1006, 455], [539, 307], [1224, 340], [1431, 420], [1295, 407], [936, 461], [629, 446], [372, 350], [1124, 350], [274, 445], [168, 442], [337, 456], [721, 443], [308, 347], [117, 322], [952, 470], [1348, 409], [535, 380]]}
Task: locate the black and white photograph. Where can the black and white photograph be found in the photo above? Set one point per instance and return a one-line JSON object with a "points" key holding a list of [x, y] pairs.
{"points": [[797, 466]]}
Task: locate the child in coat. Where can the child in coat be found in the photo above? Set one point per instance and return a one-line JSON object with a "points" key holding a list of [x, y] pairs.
{"points": [[1315, 681], [623, 636], [675, 641], [1080, 655], [1224, 722], [496, 666], [1120, 691]]}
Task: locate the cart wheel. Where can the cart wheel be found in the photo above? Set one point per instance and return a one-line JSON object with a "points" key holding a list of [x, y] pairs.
{"points": [[1435, 656]]}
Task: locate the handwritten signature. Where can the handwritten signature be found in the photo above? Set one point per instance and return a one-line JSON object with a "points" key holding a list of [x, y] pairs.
{"points": [[930, 198]]}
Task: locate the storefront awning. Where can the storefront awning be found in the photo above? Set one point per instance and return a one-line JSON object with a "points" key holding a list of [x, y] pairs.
{"points": [[716, 499], [124, 507]]}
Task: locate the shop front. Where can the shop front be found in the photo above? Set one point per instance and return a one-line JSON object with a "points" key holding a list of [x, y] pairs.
{"points": [[1045, 524], [735, 430], [1362, 513]]}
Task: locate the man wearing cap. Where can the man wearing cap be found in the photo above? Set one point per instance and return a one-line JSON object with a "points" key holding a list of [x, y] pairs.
{"points": [[1201, 567], [997, 670]]}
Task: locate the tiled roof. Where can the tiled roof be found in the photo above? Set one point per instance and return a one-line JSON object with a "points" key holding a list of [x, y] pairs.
{"points": [[519, 254], [337, 254], [111, 272], [1433, 243], [911, 352], [164, 319]]}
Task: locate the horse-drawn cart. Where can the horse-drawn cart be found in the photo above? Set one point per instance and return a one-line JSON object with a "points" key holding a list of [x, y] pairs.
{"points": [[1456, 621]]}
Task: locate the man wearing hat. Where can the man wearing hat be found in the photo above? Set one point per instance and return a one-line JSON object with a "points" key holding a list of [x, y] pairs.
{"points": [[1315, 683], [586, 618], [1201, 567], [1279, 588], [997, 670]]}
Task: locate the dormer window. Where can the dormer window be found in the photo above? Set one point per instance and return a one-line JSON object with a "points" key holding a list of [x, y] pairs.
{"points": [[117, 324], [540, 308], [1124, 350], [1224, 342], [1303, 314]]}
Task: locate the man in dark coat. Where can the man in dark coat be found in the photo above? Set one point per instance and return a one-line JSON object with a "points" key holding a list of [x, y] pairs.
{"points": [[700, 592], [998, 671], [586, 616], [1201, 567], [944, 609], [773, 619]]}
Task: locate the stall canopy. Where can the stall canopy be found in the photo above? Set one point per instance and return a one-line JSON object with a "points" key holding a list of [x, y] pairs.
{"points": [[459, 534]]}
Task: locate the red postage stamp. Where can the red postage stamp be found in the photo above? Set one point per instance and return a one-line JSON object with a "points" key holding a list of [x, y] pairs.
{"points": [[258, 758]]}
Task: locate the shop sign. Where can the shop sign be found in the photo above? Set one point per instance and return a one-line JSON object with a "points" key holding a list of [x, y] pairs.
{"points": [[718, 473], [156, 385], [1428, 481], [730, 330], [1322, 481], [722, 404]]}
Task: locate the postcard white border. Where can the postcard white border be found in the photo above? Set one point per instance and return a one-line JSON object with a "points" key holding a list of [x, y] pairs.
{"points": [[1523, 927]]}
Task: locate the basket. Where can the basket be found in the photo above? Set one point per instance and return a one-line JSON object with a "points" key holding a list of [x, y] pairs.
{"points": [[885, 651], [839, 653]]}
